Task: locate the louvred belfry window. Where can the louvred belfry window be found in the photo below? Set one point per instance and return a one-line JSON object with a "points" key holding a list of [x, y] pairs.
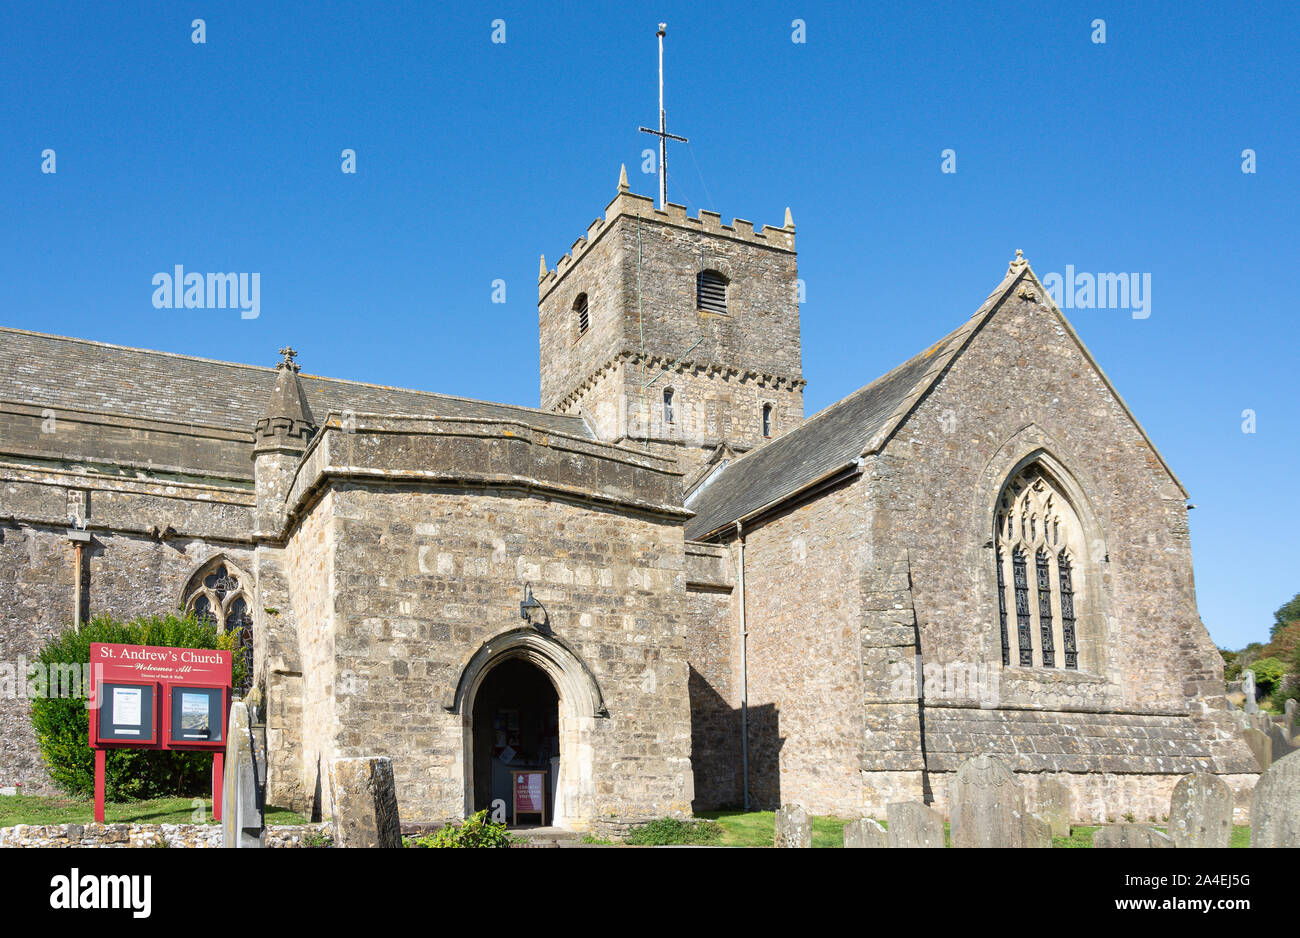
{"points": [[711, 291], [1034, 519], [580, 313]]}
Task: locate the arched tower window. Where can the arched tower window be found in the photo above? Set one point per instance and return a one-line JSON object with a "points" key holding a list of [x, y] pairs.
{"points": [[217, 594], [580, 314], [668, 405], [767, 420], [711, 291], [1037, 525]]}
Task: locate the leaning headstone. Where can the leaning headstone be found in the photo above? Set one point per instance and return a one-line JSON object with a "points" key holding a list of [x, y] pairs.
{"points": [[1038, 832], [1275, 805], [865, 833], [912, 824], [793, 827], [986, 805], [364, 797], [1200, 812], [1260, 745], [1054, 805], [1281, 745], [1130, 835], [242, 818], [1248, 688]]}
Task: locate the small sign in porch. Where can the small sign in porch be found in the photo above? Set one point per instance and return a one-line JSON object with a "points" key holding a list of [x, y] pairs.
{"points": [[529, 786]]}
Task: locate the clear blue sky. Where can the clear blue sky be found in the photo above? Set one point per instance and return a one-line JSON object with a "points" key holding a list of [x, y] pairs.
{"points": [[475, 157]]}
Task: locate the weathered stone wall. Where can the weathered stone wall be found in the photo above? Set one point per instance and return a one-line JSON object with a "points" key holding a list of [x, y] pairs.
{"points": [[146, 835], [400, 574], [1023, 386], [638, 268], [129, 571], [309, 560], [803, 611], [712, 657]]}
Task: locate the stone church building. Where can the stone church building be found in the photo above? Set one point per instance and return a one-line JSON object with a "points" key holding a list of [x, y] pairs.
{"points": [[666, 585]]}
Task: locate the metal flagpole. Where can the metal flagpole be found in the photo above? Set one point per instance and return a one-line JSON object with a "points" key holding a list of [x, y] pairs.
{"points": [[662, 133]]}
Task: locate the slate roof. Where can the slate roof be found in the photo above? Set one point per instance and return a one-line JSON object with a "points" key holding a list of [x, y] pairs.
{"points": [[830, 439], [56, 371]]}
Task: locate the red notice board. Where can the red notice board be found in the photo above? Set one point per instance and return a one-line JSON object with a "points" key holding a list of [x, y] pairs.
{"points": [[150, 697]]}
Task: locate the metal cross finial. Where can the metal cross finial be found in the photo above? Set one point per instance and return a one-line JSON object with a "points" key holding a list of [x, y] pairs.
{"points": [[289, 356], [662, 133]]}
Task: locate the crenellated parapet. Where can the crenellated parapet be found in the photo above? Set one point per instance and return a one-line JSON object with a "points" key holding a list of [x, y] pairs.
{"points": [[627, 204]]}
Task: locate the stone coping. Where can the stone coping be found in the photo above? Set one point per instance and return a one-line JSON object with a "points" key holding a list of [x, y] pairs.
{"points": [[460, 451]]}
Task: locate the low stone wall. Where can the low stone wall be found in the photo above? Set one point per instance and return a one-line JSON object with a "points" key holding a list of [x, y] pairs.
{"points": [[142, 835]]}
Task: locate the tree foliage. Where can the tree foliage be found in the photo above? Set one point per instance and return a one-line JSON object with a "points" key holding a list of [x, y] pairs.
{"points": [[62, 724]]}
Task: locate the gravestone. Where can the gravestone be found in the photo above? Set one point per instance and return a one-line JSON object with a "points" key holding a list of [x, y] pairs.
{"points": [[364, 798], [1261, 746], [912, 824], [1038, 832], [1275, 805], [1280, 745], [1055, 804], [793, 827], [1200, 812], [1131, 836], [986, 805], [865, 833], [1248, 688], [242, 819], [1290, 722]]}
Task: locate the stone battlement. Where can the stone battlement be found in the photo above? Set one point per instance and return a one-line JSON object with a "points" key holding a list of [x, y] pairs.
{"points": [[631, 205]]}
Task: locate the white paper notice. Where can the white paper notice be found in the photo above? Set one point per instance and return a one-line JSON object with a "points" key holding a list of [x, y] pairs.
{"points": [[126, 706]]}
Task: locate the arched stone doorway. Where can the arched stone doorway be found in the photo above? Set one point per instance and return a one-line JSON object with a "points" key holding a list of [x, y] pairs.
{"points": [[515, 725], [511, 664]]}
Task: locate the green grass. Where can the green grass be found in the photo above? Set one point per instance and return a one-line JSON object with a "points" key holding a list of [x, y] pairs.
{"points": [[1082, 837], [37, 809], [758, 829]]}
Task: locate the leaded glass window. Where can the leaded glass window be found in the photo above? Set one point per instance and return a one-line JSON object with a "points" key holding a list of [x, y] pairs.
{"points": [[216, 595], [1045, 608], [1034, 519], [1023, 628], [1002, 613], [1067, 611]]}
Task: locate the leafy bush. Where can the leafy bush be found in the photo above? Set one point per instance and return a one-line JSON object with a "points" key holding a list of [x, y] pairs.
{"points": [[1268, 672], [668, 831], [62, 724], [477, 831]]}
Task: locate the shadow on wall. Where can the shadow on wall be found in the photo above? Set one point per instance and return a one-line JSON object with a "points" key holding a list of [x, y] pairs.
{"points": [[716, 751]]}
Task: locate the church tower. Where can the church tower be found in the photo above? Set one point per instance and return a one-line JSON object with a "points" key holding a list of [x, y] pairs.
{"points": [[674, 333]]}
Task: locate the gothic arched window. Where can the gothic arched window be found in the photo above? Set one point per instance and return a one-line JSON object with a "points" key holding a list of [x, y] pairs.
{"points": [[216, 594], [668, 405], [1036, 524], [711, 291], [767, 420], [580, 314]]}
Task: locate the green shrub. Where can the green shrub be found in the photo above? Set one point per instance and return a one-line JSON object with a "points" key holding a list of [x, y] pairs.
{"points": [[667, 831], [477, 831], [1268, 674], [62, 724]]}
